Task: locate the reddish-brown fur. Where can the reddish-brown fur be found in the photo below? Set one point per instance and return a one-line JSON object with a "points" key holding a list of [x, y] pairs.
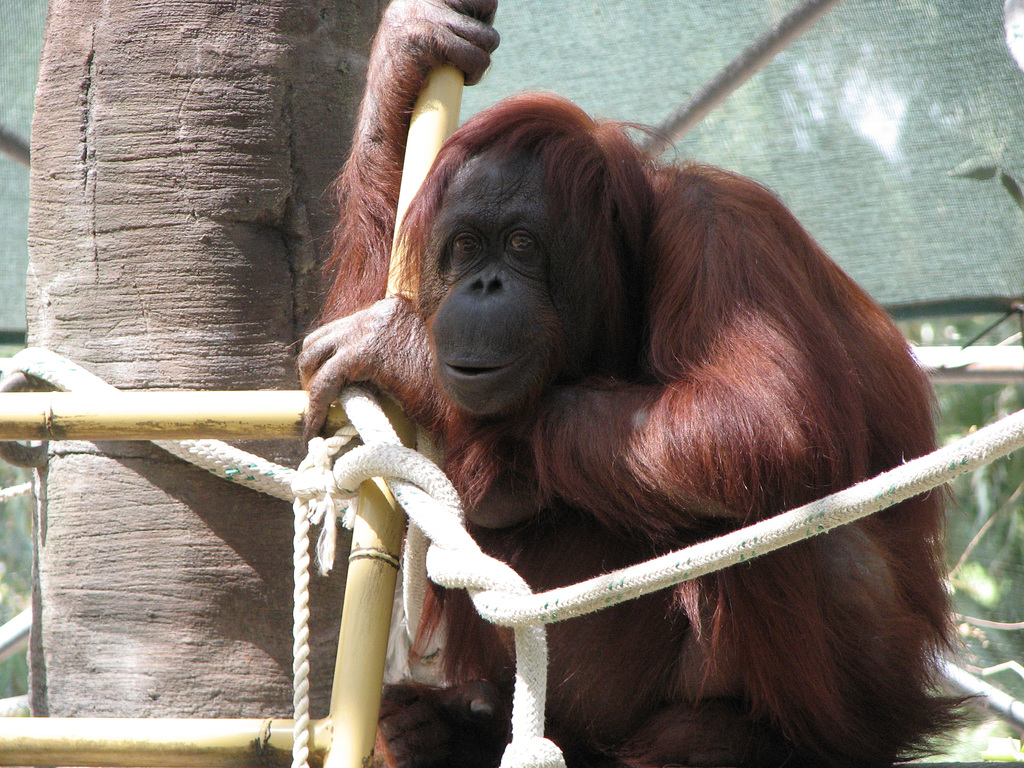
{"points": [[742, 373]]}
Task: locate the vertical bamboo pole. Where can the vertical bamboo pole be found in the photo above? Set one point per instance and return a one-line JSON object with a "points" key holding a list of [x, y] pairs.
{"points": [[377, 534], [434, 118]]}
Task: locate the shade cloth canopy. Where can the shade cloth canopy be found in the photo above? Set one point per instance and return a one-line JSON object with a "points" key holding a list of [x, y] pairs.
{"points": [[894, 129]]}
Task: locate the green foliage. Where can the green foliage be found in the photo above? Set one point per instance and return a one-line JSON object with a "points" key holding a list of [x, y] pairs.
{"points": [[985, 519], [985, 169], [975, 582], [985, 536]]}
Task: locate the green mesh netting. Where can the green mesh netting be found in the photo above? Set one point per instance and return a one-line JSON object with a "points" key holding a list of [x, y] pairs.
{"points": [[21, 34], [858, 125]]}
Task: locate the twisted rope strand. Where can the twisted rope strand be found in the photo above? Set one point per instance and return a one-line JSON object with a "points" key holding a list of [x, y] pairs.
{"points": [[300, 638], [15, 491]]}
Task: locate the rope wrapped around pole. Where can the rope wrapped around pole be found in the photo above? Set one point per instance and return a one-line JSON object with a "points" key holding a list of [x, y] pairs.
{"points": [[455, 561]]}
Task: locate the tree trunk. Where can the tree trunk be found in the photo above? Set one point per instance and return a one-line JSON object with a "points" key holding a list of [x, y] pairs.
{"points": [[181, 151]]}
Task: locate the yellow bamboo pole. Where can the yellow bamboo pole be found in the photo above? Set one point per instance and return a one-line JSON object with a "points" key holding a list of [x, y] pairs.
{"points": [[135, 415], [153, 743], [434, 118], [377, 535]]}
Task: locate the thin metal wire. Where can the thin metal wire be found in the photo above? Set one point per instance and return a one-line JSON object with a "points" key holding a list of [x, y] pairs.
{"points": [[753, 59]]}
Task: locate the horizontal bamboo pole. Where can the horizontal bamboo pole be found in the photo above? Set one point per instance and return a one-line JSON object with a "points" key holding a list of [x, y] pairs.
{"points": [[154, 743], [135, 415]]}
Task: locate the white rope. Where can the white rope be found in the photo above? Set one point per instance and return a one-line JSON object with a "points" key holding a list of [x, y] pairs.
{"points": [[500, 595], [317, 500], [860, 500], [435, 511], [16, 706], [454, 560], [15, 491], [300, 638]]}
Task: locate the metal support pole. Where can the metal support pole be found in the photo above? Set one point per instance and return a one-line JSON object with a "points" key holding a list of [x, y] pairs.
{"points": [[754, 58], [14, 147], [14, 634]]}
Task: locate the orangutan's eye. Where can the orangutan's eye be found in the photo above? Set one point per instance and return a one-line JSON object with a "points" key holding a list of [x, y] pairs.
{"points": [[520, 241], [467, 245]]}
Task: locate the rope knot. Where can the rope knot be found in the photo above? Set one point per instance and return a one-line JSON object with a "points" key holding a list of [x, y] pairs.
{"points": [[319, 495]]}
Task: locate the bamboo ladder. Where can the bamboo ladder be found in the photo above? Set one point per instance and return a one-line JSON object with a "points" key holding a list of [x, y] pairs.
{"points": [[344, 739]]}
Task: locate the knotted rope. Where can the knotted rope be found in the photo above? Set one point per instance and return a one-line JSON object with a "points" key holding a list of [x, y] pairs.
{"points": [[435, 515], [439, 544], [500, 595]]}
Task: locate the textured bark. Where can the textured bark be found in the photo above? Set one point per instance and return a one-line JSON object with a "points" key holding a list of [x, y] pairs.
{"points": [[181, 150]]}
